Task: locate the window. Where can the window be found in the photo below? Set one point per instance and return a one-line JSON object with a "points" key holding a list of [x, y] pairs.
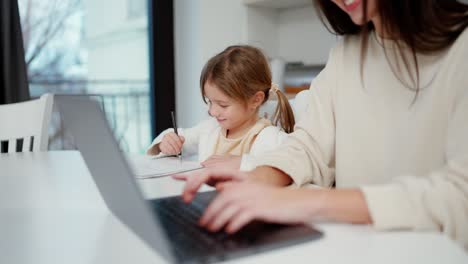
{"points": [[136, 8], [84, 47]]}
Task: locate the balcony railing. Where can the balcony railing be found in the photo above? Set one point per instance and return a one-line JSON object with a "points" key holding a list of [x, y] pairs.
{"points": [[125, 103]]}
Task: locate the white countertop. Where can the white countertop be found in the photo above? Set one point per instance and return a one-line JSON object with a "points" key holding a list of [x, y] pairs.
{"points": [[51, 212]]}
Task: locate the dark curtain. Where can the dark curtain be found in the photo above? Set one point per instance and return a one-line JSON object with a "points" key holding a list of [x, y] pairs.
{"points": [[162, 67], [13, 76]]}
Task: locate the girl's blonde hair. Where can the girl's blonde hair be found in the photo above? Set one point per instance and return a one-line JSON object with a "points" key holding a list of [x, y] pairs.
{"points": [[242, 71]]}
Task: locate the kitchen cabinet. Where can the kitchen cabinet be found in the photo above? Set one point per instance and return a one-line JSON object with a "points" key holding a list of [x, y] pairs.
{"points": [[288, 30]]}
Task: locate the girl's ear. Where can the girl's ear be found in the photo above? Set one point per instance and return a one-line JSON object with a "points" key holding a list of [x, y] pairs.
{"points": [[257, 99]]}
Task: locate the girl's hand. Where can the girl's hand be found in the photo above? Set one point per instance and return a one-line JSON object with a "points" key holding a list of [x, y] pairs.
{"points": [[238, 203], [171, 144], [211, 176], [225, 161]]}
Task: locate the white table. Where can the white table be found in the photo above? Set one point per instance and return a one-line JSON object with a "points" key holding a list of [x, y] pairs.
{"points": [[51, 212]]}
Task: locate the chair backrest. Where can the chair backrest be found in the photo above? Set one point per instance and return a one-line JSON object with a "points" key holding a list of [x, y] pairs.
{"points": [[26, 122], [298, 104]]}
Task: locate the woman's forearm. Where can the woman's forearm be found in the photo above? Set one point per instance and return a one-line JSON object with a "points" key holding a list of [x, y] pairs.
{"points": [[345, 205], [338, 205]]}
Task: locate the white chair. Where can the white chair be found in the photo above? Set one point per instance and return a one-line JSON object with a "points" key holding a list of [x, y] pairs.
{"points": [[26, 121], [298, 104]]}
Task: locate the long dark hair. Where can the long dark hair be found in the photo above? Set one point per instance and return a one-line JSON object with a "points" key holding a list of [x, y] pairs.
{"points": [[425, 26]]}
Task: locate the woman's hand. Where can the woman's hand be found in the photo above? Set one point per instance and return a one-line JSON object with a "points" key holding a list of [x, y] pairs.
{"points": [[238, 203], [171, 144], [211, 176], [224, 161], [243, 198]]}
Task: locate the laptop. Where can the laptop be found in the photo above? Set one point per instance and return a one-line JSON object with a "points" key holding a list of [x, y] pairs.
{"points": [[167, 225]]}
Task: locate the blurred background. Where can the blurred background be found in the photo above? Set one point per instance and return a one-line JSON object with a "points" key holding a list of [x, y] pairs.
{"points": [[141, 59]]}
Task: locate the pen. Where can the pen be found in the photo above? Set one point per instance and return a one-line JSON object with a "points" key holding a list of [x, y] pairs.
{"points": [[174, 124]]}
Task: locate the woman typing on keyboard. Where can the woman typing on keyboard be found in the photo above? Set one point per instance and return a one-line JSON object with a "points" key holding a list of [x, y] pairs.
{"points": [[386, 124]]}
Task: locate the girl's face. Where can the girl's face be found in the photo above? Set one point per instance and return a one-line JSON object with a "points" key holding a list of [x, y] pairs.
{"points": [[230, 114], [354, 8]]}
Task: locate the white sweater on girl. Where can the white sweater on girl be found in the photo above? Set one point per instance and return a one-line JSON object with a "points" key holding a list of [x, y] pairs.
{"points": [[201, 140]]}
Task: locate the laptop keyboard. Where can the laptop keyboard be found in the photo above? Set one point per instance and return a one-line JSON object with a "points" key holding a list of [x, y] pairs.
{"points": [[192, 243], [180, 221]]}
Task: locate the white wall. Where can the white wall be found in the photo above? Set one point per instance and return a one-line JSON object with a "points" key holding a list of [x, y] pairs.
{"points": [[292, 34], [202, 29], [187, 61], [262, 29], [303, 37]]}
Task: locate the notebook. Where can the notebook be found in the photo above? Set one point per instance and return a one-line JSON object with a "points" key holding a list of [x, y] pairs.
{"points": [[146, 167]]}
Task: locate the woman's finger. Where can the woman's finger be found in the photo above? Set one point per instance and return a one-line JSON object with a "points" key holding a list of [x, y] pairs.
{"points": [[216, 207], [180, 177], [211, 176], [211, 160], [210, 163], [187, 175], [238, 221], [223, 217], [193, 184], [220, 186]]}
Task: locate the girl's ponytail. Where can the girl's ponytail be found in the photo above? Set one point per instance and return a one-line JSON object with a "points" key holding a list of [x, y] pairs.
{"points": [[284, 114]]}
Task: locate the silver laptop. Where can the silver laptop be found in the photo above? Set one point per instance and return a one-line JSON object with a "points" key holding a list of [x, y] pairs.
{"points": [[167, 225]]}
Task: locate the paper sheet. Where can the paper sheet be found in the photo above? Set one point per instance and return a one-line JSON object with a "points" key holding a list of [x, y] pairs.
{"points": [[145, 167]]}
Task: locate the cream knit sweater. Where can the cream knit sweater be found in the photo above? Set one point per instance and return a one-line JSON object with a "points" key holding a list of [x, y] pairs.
{"points": [[410, 160]]}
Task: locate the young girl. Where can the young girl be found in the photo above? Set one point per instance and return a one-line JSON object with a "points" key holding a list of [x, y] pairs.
{"points": [[234, 84]]}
